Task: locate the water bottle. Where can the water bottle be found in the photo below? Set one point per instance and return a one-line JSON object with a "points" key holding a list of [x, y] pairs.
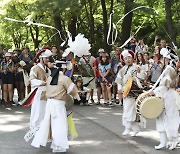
{"points": [[6, 70]]}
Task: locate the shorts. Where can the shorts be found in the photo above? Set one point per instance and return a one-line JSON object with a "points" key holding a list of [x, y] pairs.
{"points": [[19, 77], [7, 78], [98, 84], [108, 78]]}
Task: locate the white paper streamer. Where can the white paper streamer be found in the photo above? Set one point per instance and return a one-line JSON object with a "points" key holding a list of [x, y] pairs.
{"points": [[51, 37], [109, 31], [139, 7], [115, 25], [129, 39], [175, 47], [29, 22]]}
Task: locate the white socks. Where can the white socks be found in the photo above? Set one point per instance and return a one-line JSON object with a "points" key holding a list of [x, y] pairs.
{"points": [[163, 141]]}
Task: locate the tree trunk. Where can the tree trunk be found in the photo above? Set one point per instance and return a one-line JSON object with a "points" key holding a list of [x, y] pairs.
{"points": [[72, 25], [35, 37], [91, 21], [171, 28], [127, 21], [111, 7], [105, 23], [17, 37], [58, 25]]}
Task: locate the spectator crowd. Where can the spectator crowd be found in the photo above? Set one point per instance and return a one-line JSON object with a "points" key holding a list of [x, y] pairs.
{"points": [[89, 73]]}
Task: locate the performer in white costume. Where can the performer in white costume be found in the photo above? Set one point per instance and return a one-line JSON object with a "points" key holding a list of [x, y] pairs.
{"points": [[38, 76], [167, 124], [58, 88], [129, 111]]}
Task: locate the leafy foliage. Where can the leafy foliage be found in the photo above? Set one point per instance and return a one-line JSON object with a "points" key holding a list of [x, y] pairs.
{"points": [[89, 20]]}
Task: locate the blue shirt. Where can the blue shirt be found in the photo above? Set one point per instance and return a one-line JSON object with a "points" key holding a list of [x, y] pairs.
{"points": [[104, 68]]}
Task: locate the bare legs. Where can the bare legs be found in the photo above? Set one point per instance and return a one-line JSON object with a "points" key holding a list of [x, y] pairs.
{"points": [[21, 90], [7, 94], [106, 92]]}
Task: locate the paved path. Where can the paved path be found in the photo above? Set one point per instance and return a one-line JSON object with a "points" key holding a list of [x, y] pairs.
{"points": [[99, 130]]}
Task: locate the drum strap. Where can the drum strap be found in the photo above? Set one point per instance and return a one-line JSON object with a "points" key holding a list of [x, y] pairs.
{"points": [[87, 62], [87, 84], [127, 70]]}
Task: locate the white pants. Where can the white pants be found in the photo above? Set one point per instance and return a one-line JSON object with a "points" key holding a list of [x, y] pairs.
{"points": [[37, 109], [55, 115], [129, 114]]}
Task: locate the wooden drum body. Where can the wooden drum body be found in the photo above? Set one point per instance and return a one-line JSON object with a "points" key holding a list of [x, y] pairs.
{"points": [[131, 88]]}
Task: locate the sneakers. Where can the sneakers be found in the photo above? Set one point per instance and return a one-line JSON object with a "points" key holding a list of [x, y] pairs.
{"points": [[98, 103], [134, 134], [115, 101], [105, 104], [4, 104], [92, 101], [7, 104], [86, 104], [111, 104], [160, 146], [10, 104], [126, 132], [81, 104]]}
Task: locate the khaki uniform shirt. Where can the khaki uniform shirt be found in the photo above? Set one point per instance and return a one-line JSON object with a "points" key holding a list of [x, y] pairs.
{"points": [[64, 87], [38, 72]]}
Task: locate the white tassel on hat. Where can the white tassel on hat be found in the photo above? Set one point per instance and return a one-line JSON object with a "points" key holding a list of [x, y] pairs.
{"points": [[80, 46], [165, 53]]}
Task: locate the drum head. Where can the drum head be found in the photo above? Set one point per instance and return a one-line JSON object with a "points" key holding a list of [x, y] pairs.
{"points": [[127, 86], [69, 102], [151, 107]]}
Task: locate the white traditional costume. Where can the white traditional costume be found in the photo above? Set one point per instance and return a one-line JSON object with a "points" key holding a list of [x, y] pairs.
{"points": [[129, 110], [55, 114], [167, 124], [38, 74]]}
